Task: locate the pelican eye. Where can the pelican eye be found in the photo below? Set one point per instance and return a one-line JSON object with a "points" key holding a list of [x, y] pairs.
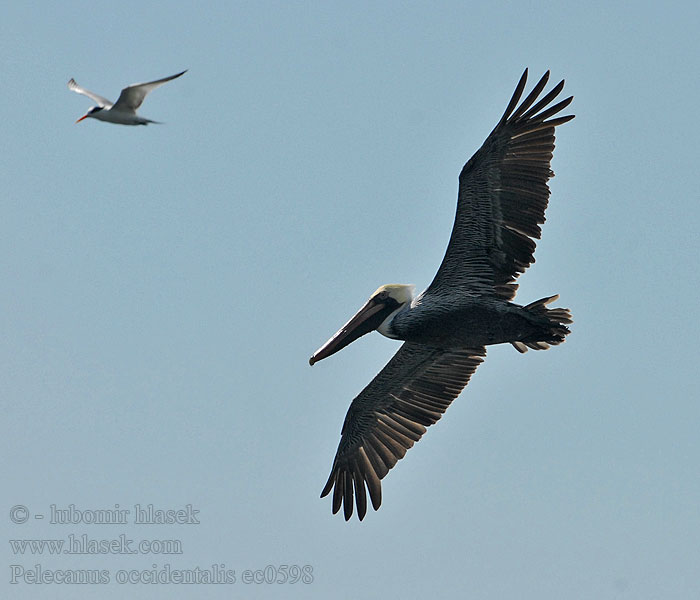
{"points": [[382, 295]]}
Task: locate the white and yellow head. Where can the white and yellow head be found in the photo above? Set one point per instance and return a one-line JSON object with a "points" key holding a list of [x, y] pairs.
{"points": [[377, 313]]}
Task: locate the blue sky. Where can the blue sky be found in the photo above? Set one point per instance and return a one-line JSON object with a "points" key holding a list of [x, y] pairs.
{"points": [[165, 286]]}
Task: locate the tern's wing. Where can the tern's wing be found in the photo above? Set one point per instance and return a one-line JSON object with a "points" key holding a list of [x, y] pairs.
{"points": [[94, 97], [410, 393], [132, 97]]}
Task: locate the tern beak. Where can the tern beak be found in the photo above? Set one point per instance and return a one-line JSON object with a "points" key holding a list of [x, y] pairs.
{"points": [[367, 319], [81, 118]]}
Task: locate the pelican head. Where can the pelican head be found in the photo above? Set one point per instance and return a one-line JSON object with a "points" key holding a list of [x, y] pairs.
{"points": [[377, 313]]}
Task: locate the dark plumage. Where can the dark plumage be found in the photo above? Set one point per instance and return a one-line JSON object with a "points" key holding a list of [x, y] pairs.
{"points": [[503, 194]]}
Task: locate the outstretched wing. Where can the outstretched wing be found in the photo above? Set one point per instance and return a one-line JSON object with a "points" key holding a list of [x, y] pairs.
{"points": [[410, 393], [503, 194], [132, 97], [94, 97]]}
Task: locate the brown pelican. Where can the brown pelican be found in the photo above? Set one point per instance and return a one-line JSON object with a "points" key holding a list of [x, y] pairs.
{"points": [[503, 194]]}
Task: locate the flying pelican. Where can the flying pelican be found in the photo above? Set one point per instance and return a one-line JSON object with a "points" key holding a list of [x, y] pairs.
{"points": [[503, 194], [123, 111]]}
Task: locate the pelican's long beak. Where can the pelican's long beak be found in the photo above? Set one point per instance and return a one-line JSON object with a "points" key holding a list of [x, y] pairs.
{"points": [[81, 118], [367, 319]]}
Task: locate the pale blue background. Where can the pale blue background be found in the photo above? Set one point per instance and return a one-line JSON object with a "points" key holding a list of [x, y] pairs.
{"points": [[164, 286]]}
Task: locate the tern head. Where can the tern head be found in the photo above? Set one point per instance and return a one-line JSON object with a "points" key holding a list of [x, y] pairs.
{"points": [[377, 313], [90, 113]]}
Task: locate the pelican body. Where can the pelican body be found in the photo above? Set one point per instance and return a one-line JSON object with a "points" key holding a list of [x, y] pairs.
{"points": [[123, 111], [503, 194]]}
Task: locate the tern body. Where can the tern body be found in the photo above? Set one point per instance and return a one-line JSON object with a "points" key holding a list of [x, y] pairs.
{"points": [[503, 194], [123, 111]]}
